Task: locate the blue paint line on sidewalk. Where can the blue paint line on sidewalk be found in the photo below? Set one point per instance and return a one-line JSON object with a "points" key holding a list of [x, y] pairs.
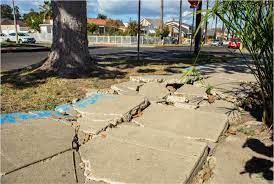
{"points": [[13, 117], [58, 111], [91, 100]]}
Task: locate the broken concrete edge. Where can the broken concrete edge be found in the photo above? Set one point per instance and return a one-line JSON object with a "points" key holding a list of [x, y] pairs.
{"points": [[198, 165], [127, 117]]}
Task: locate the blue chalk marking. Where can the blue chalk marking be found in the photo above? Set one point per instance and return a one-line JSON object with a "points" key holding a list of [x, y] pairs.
{"points": [[63, 108], [12, 117], [91, 100]]}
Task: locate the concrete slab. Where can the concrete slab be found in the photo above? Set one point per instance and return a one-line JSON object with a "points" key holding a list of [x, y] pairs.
{"points": [[190, 90], [129, 85], [156, 139], [153, 91], [112, 160], [108, 112], [187, 123], [237, 164], [167, 79], [92, 126], [222, 107], [127, 88], [58, 169], [29, 141], [111, 105], [226, 88]]}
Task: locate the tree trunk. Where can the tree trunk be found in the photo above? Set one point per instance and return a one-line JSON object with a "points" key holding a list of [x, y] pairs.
{"points": [[69, 56], [268, 113], [199, 32]]}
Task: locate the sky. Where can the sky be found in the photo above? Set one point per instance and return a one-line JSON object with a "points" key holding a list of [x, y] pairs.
{"points": [[125, 9]]}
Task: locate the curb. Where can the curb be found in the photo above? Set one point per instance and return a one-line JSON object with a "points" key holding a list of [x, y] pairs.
{"points": [[12, 50]]}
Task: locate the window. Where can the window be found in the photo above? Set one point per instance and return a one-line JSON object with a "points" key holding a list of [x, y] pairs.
{"points": [[23, 34], [12, 34]]}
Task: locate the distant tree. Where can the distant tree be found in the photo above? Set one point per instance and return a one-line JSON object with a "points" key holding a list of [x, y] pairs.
{"points": [[6, 11], [17, 13], [165, 32], [46, 10], [101, 16], [33, 20], [132, 28], [91, 28]]}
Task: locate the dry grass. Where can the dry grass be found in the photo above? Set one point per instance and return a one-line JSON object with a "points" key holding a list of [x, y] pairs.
{"points": [[53, 91]]}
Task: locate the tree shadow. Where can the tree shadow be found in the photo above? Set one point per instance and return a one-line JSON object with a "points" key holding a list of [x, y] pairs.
{"points": [[30, 77], [259, 165]]}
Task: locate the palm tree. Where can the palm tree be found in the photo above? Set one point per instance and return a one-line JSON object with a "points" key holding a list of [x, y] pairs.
{"points": [[46, 10]]}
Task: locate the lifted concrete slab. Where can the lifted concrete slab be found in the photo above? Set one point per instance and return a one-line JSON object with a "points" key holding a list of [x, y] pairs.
{"points": [[112, 105], [188, 123], [110, 111], [154, 91], [127, 88], [191, 90], [167, 79], [129, 85], [33, 140], [113, 160], [58, 169]]}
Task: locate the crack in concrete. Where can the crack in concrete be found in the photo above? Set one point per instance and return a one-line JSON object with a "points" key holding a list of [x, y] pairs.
{"points": [[38, 161]]}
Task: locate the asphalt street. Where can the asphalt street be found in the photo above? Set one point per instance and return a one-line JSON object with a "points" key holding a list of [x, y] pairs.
{"points": [[10, 61]]}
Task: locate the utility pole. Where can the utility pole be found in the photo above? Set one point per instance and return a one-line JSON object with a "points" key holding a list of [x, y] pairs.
{"points": [[14, 20], [192, 29], [198, 36], [215, 31], [180, 24], [206, 23], [138, 34], [162, 16]]}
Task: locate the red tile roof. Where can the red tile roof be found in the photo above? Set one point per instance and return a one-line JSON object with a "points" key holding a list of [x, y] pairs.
{"points": [[99, 22]]}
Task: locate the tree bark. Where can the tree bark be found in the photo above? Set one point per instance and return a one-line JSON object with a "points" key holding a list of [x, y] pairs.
{"points": [[69, 55]]}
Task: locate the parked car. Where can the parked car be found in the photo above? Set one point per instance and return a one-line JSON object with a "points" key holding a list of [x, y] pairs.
{"points": [[216, 43], [225, 42], [3, 37], [22, 38], [170, 40], [234, 44]]}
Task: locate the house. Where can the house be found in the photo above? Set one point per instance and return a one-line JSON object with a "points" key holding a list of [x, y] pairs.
{"points": [[7, 26], [46, 27], [101, 23], [105, 24], [219, 33], [149, 26], [186, 30]]}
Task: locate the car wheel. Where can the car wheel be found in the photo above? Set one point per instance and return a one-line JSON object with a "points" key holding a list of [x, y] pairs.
{"points": [[8, 40], [20, 41]]}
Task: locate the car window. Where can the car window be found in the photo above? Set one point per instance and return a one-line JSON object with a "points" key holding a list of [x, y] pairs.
{"points": [[2, 34], [23, 34], [12, 34]]}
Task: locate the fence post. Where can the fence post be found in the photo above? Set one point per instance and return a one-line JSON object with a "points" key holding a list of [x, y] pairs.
{"points": [[142, 40], [96, 39], [108, 39]]}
